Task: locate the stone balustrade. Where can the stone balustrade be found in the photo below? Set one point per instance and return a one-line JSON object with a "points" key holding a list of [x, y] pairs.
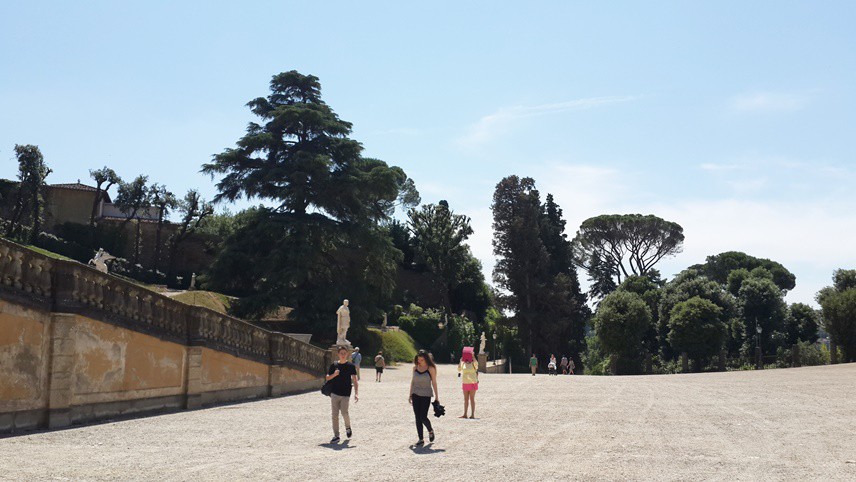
{"points": [[71, 287]]}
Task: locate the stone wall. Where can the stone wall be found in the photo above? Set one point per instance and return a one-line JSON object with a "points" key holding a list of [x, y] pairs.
{"points": [[77, 346]]}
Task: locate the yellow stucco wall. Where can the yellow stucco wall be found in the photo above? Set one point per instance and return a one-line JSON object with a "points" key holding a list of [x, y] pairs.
{"points": [[113, 364], [68, 205], [221, 371], [24, 338]]}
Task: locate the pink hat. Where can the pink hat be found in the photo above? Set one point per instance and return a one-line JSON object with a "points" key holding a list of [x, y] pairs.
{"points": [[467, 354]]}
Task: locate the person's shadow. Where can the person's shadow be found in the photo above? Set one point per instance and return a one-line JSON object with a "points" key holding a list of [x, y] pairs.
{"points": [[342, 446], [426, 449]]}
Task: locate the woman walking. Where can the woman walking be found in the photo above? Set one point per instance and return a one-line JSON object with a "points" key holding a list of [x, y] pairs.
{"points": [[552, 365], [424, 379], [379, 364], [469, 368]]}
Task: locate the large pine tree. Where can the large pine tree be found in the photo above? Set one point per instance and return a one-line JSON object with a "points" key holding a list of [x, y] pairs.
{"points": [[536, 271], [319, 241]]}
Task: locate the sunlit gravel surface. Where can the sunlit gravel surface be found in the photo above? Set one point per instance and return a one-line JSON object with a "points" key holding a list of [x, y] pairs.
{"points": [[792, 424]]}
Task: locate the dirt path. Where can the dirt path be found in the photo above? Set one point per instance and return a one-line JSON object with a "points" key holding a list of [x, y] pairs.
{"points": [[796, 424]]}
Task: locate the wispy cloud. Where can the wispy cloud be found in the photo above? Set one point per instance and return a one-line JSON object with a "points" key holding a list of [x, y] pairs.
{"points": [[499, 122], [769, 102]]}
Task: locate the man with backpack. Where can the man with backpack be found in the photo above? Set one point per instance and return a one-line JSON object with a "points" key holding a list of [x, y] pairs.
{"points": [[356, 359], [342, 376]]}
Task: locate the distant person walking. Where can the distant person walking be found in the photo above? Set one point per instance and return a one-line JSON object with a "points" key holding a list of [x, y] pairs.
{"points": [[379, 365], [551, 366], [563, 365], [468, 370], [356, 359], [343, 376], [421, 385], [533, 364], [571, 366]]}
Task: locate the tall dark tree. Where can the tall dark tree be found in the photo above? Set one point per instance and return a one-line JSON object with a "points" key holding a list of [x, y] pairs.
{"points": [[568, 303], [164, 201], [134, 197], [802, 323], [522, 265], [438, 240], [194, 211], [630, 244], [32, 172], [104, 178], [321, 239]]}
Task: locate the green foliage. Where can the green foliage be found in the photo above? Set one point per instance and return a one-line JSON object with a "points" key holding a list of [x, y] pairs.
{"points": [[435, 238], [718, 267], [625, 244], [801, 323], [32, 172], [844, 279], [761, 302], [422, 325], [535, 268], [811, 354], [133, 197], [736, 279], [438, 332], [104, 178], [438, 239], [321, 242], [593, 358], [839, 312], [696, 327], [397, 346], [689, 284], [621, 321]]}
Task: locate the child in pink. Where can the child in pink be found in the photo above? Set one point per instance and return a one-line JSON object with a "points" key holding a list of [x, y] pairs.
{"points": [[468, 369]]}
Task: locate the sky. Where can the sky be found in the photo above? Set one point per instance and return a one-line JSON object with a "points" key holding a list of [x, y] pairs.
{"points": [[737, 120]]}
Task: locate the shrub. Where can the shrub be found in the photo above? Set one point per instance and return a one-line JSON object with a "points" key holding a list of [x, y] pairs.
{"points": [[621, 321], [397, 346]]}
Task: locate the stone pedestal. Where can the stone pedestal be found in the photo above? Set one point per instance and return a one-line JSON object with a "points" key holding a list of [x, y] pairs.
{"points": [[685, 363], [483, 362], [759, 359]]}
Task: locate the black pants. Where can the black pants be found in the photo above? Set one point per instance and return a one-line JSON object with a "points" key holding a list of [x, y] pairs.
{"points": [[420, 409]]}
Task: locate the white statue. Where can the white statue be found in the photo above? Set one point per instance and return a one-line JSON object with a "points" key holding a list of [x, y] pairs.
{"points": [[483, 343], [100, 260], [192, 282], [343, 322], [383, 325]]}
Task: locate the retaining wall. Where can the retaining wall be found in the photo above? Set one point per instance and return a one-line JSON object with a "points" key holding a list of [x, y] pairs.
{"points": [[77, 346]]}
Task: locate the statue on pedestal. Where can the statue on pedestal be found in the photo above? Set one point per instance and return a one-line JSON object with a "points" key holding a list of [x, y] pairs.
{"points": [[343, 322], [383, 324], [483, 343]]}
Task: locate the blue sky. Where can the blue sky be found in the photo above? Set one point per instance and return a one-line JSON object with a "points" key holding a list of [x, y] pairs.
{"points": [[735, 119]]}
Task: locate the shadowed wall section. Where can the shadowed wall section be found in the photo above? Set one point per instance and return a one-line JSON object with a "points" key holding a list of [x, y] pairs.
{"points": [[78, 346]]}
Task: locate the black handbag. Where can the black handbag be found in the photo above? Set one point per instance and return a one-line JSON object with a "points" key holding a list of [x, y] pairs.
{"points": [[327, 388]]}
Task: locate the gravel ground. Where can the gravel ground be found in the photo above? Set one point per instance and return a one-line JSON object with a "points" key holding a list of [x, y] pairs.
{"points": [[793, 424]]}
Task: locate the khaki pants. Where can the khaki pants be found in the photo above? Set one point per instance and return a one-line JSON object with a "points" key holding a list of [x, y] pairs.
{"points": [[533, 369], [340, 404]]}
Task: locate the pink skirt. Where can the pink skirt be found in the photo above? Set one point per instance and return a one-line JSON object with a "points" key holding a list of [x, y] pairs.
{"points": [[469, 387]]}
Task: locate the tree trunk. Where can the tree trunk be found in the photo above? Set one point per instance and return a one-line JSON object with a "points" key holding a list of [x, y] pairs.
{"points": [[137, 244], [156, 262], [37, 222]]}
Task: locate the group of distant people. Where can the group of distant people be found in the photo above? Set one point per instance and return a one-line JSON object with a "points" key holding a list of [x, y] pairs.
{"points": [[566, 365], [343, 377]]}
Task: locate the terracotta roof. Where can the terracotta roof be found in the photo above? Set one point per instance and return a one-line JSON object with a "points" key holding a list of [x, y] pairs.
{"points": [[75, 185], [78, 186]]}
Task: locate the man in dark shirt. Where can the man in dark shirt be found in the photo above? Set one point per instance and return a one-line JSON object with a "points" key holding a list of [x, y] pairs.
{"points": [[342, 376]]}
